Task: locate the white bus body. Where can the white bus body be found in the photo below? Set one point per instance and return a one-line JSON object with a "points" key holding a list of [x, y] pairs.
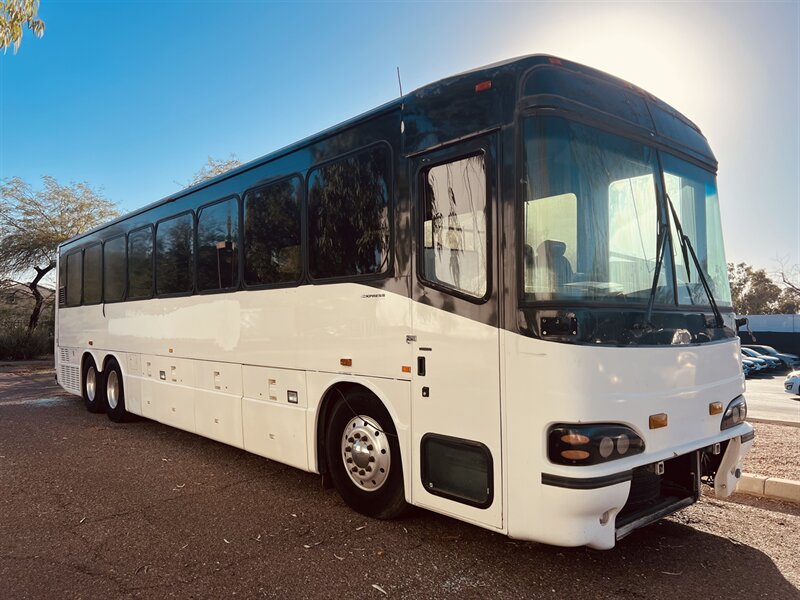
{"points": [[472, 394]]}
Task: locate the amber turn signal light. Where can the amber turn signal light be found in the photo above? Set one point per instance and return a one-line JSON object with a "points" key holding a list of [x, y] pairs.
{"points": [[658, 421], [346, 362], [715, 408]]}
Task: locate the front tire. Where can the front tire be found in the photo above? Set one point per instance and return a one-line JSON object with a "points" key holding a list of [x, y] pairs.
{"points": [[92, 388], [363, 456], [115, 393]]}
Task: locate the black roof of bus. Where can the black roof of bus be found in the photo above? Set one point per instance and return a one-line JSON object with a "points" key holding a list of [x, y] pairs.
{"points": [[520, 67]]}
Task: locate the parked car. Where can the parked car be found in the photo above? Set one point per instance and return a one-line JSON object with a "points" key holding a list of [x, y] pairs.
{"points": [[772, 362], [791, 361], [792, 383], [750, 368], [747, 368], [757, 365]]}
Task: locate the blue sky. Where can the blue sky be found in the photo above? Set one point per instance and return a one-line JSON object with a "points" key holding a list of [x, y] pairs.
{"points": [[133, 96]]}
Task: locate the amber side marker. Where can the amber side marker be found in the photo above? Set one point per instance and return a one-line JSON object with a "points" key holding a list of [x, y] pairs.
{"points": [[346, 362], [715, 408], [406, 369], [658, 421]]}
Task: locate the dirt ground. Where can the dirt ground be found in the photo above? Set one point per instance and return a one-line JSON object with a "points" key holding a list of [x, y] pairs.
{"points": [[93, 509]]}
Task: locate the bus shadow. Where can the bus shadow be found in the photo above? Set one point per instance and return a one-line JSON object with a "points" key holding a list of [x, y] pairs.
{"points": [[667, 559]]}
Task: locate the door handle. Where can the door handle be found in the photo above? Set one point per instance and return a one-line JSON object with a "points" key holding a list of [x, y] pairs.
{"points": [[421, 366]]}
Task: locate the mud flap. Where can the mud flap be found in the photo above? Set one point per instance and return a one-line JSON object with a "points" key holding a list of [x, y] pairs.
{"points": [[730, 468]]}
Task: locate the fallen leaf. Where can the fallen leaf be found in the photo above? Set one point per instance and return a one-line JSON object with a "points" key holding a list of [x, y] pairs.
{"points": [[226, 541], [381, 552], [380, 589]]}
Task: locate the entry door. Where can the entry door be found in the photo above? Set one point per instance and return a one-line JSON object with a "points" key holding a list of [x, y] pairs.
{"points": [[456, 379]]}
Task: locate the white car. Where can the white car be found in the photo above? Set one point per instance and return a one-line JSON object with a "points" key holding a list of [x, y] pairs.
{"points": [[792, 383]]}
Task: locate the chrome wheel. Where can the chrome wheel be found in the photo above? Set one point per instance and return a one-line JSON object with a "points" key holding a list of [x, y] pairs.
{"points": [[91, 383], [112, 389], [365, 453]]}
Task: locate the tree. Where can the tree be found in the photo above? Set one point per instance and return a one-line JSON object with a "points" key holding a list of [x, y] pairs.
{"points": [[34, 223], [753, 291], [214, 167], [15, 15]]}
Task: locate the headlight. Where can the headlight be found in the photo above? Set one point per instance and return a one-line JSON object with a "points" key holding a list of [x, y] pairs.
{"points": [[591, 444], [735, 413]]}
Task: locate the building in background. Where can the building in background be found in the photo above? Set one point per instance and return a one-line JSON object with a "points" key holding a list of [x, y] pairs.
{"points": [[782, 332]]}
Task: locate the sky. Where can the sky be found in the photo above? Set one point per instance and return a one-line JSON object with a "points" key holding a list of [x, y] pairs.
{"points": [[133, 96]]}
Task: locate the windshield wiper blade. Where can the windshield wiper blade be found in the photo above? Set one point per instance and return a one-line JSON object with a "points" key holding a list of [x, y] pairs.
{"points": [[660, 252], [687, 248]]}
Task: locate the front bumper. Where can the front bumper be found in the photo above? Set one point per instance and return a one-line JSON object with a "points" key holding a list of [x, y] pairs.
{"points": [[598, 511]]}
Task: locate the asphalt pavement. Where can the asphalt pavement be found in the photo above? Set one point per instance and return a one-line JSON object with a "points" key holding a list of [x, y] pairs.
{"points": [[767, 400], [94, 509]]}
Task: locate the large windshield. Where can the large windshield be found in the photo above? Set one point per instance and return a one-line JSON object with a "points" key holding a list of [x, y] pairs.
{"points": [[693, 192], [591, 215], [591, 219]]}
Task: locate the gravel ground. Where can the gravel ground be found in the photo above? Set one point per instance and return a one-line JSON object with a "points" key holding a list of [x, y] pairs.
{"points": [[93, 509], [775, 452]]}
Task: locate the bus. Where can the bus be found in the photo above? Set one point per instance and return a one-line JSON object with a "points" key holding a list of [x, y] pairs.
{"points": [[502, 297]]}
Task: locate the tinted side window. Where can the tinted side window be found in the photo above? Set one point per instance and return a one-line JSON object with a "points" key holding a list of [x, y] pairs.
{"points": [[140, 263], [175, 255], [93, 274], [348, 216], [62, 281], [218, 246], [272, 233], [74, 278], [454, 228], [114, 269]]}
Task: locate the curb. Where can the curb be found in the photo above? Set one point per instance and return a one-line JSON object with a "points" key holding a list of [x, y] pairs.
{"points": [[773, 421], [774, 488]]}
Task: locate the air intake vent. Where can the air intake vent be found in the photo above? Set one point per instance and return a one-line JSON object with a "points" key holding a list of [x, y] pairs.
{"points": [[71, 379], [63, 355]]}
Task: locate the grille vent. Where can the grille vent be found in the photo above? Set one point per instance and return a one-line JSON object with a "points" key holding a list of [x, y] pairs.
{"points": [[71, 378], [64, 354]]}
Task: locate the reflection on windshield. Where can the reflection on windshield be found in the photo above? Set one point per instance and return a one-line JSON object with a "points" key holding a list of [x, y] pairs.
{"points": [[591, 215], [693, 192]]}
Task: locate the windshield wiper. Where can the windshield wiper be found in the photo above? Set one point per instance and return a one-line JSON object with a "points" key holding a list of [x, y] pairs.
{"points": [[687, 248], [660, 252]]}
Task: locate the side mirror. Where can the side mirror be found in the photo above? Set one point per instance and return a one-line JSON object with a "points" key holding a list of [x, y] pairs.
{"points": [[741, 322]]}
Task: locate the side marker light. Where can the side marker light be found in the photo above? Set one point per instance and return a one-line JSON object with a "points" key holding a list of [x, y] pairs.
{"points": [[715, 408], [658, 421]]}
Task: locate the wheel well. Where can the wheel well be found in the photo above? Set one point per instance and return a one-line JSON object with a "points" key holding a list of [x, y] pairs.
{"points": [[332, 394], [108, 359], [87, 355]]}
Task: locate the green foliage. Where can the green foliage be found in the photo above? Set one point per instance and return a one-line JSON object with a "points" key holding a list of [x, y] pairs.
{"points": [[34, 223], [20, 343], [15, 15], [755, 293]]}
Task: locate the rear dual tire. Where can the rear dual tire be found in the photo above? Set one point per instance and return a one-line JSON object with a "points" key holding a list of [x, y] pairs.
{"points": [[104, 392]]}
